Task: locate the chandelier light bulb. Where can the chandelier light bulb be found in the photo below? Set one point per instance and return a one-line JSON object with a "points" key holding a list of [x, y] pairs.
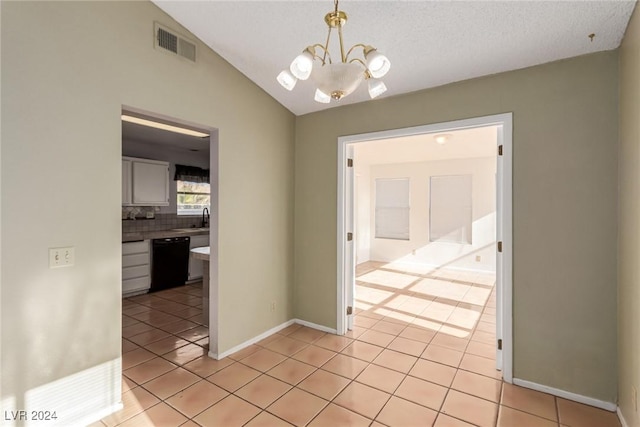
{"points": [[301, 66], [287, 80], [376, 88], [377, 64], [322, 97]]}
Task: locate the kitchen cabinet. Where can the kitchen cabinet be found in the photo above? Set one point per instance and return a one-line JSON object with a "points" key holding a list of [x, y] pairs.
{"points": [[145, 182], [195, 265], [136, 271], [126, 182]]}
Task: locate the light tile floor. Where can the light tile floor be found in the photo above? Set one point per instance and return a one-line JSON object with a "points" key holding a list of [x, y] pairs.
{"points": [[421, 354]]}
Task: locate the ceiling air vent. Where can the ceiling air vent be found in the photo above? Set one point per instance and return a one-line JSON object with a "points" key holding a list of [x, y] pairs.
{"points": [[170, 41]]}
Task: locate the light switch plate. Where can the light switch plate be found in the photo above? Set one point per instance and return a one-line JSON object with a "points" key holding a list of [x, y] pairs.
{"points": [[62, 257]]}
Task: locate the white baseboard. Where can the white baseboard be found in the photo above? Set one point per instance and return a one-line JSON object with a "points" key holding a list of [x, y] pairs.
{"points": [[609, 406], [621, 417], [268, 333], [437, 266], [315, 326], [251, 341]]}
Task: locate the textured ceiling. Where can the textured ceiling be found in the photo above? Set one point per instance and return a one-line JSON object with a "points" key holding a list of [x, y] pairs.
{"points": [[462, 144], [429, 43]]}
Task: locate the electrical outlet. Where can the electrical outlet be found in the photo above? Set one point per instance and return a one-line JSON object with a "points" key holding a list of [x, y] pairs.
{"points": [[478, 258], [62, 257], [634, 398], [273, 306]]}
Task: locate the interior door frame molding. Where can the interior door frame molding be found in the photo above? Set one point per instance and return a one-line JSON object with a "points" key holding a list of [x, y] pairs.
{"points": [[504, 230]]}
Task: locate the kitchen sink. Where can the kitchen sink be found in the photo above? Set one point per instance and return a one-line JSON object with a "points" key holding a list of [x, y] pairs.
{"points": [[184, 230]]}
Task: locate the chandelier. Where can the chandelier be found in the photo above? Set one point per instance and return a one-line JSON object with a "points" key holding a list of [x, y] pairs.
{"points": [[335, 80]]}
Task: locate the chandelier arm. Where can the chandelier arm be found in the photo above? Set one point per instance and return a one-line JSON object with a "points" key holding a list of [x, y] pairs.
{"points": [[325, 54], [361, 62], [335, 81], [363, 46], [326, 47]]}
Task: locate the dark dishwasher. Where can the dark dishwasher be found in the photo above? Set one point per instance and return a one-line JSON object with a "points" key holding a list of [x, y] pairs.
{"points": [[170, 265]]}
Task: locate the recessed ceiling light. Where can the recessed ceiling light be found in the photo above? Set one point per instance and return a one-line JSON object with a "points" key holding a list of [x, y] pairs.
{"points": [[442, 138], [163, 126]]}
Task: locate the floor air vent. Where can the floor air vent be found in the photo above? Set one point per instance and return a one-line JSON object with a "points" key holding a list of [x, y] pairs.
{"points": [[170, 41]]}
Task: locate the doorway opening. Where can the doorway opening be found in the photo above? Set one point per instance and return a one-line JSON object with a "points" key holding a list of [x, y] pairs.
{"points": [[169, 208], [433, 223]]}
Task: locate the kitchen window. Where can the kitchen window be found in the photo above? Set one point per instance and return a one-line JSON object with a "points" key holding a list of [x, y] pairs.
{"points": [[193, 190], [193, 197]]}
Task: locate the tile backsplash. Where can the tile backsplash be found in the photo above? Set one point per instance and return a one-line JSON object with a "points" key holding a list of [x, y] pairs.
{"points": [[161, 221]]}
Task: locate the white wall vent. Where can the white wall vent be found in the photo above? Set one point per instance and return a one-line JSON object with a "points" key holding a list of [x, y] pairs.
{"points": [[170, 41]]}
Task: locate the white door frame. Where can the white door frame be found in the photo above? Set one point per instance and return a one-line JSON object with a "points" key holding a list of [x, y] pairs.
{"points": [[213, 222], [504, 230]]}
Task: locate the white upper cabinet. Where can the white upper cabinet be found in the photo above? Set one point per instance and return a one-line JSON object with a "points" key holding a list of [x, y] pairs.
{"points": [[149, 183]]}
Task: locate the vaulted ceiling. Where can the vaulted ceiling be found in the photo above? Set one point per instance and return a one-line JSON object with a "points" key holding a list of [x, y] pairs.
{"points": [[429, 43]]}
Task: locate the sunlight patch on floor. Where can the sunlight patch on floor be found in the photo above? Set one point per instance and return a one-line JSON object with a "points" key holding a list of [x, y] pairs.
{"points": [[455, 332], [388, 278], [400, 316], [409, 268], [464, 318], [441, 300]]}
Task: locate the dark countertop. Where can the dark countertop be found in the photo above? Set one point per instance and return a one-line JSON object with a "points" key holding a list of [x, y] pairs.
{"points": [[163, 234]]}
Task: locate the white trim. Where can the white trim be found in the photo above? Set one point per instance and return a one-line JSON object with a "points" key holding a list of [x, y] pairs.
{"points": [[315, 326], [267, 334], [621, 417], [507, 246], [608, 406], [251, 341], [410, 264], [505, 121], [341, 229]]}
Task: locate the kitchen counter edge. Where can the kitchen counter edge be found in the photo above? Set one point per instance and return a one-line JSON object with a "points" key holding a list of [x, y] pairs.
{"points": [[163, 234]]}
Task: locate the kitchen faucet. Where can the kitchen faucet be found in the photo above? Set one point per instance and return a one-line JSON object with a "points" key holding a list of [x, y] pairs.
{"points": [[205, 219]]}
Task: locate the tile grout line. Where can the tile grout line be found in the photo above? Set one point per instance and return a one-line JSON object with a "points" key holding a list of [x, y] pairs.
{"points": [[316, 368]]}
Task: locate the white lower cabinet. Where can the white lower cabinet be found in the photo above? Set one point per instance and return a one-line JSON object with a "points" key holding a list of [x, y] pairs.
{"points": [[136, 267], [195, 265]]}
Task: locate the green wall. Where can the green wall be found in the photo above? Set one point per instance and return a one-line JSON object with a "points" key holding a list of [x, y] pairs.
{"points": [[67, 70], [629, 224], [68, 67], [564, 215]]}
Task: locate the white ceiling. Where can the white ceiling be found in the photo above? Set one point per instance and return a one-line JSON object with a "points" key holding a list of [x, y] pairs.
{"points": [[429, 43], [463, 144], [175, 141]]}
